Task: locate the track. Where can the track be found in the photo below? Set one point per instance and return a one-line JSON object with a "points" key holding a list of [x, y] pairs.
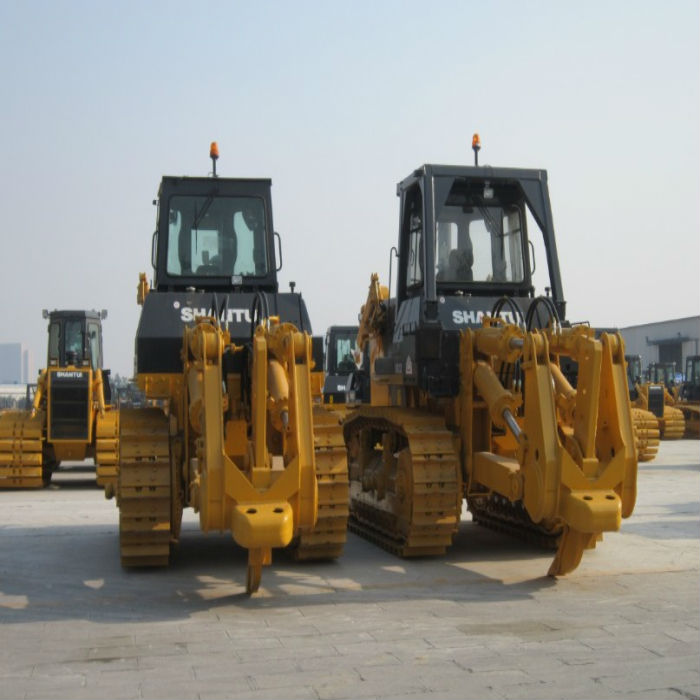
{"points": [[672, 424], [107, 450], [405, 485], [646, 434], [499, 514], [327, 539], [21, 443], [144, 493], [691, 413]]}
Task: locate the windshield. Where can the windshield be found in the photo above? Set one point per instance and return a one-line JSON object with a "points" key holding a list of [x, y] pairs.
{"points": [[345, 348], [74, 341], [216, 236], [479, 237], [694, 372], [634, 370], [662, 374]]}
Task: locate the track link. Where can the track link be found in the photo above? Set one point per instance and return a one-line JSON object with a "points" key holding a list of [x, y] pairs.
{"points": [[327, 539], [21, 443], [405, 485], [144, 488]]}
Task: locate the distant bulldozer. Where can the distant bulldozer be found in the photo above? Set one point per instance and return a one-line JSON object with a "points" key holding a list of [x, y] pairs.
{"points": [[653, 397], [647, 404], [71, 417]]}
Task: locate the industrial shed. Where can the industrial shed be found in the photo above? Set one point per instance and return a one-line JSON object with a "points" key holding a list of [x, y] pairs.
{"points": [[664, 341]]}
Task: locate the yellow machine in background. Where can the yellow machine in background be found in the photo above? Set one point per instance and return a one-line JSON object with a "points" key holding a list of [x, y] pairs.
{"points": [[71, 417], [688, 397], [346, 380], [643, 399], [242, 437], [672, 422], [653, 397], [468, 400]]}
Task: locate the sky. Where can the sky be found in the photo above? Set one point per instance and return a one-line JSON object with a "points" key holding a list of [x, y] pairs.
{"points": [[336, 102]]}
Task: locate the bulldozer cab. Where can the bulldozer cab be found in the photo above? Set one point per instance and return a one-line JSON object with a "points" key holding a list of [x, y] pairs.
{"points": [[341, 346], [634, 374], [75, 338], [691, 386], [214, 254], [339, 362], [663, 373], [464, 253], [690, 390], [463, 234], [634, 369], [214, 234]]}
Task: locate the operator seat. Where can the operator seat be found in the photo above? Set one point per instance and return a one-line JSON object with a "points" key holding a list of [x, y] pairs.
{"points": [[460, 266]]}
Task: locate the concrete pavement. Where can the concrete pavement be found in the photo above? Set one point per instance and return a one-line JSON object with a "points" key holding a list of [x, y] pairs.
{"points": [[482, 622]]}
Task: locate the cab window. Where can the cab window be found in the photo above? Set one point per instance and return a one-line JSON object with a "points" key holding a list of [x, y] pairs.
{"points": [[479, 235], [216, 236], [345, 349], [413, 235], [54, 341], [94, 340], [74, 341]]}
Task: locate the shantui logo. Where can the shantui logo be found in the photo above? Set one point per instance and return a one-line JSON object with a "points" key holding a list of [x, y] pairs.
{"points": [[190, 313], [473, 318], [70, 375]]}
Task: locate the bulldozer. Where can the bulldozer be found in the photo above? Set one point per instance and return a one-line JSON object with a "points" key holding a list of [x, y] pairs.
{"points": [[672, 423], [681, 399], [468, 401], [339, 361], [345, 382], [653, 394], [647, 401], [689, 396], [71, 416], [225, 362]]}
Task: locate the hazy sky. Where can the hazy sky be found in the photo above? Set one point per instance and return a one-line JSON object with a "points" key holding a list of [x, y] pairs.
{"points": [[337, 102]]}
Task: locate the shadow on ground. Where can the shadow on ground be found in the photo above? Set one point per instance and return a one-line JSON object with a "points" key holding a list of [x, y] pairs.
{"points": [[74, 573]]}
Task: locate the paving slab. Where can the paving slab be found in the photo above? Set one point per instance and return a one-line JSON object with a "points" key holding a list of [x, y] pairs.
{"points": [[483, 621]]}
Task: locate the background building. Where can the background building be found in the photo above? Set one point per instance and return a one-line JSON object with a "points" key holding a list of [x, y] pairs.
{"points": [[16, 364], [664, 341]]}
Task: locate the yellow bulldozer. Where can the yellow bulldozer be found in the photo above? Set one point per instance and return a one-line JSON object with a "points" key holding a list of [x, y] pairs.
{"points": [[468, 399], [688, 397], [681, 413], [71, 417], [239, 434], [672, 420], [647, 402], [345, 381], [652, 400]]}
